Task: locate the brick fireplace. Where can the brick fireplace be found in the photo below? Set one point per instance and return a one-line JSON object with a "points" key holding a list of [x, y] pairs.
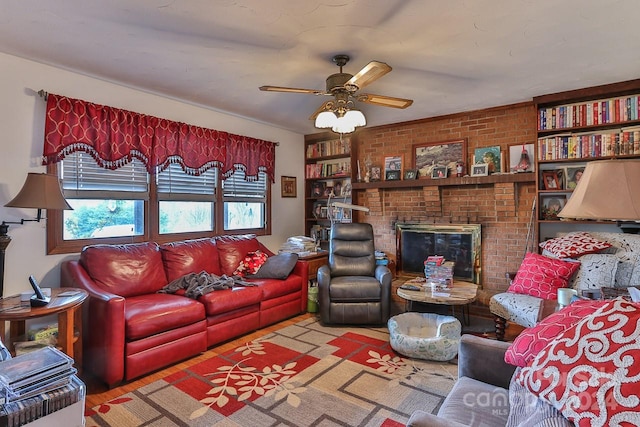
{"points": [[502, 209]]}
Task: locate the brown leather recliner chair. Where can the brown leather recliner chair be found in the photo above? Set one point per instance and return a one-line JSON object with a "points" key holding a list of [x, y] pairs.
{"points": [[352, 289]]}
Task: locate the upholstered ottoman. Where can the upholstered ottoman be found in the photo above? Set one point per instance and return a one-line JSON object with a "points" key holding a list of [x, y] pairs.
{"points": [[425, 335]]}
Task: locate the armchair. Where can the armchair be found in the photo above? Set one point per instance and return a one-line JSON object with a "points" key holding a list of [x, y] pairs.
{"points": [[352, 289]]}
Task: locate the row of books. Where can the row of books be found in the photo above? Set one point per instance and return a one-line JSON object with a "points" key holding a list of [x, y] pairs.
{"points": [[328, 148], [559, 147], [329, 169], [591, 113]]}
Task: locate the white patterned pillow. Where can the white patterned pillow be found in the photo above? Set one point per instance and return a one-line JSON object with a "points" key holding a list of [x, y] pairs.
{"points": [[596, 271], [627, 263], [591, 371]]}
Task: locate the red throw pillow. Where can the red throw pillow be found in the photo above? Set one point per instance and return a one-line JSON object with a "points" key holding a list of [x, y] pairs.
{"points": [[530, 341], [574, 244], [251, 263], [591, 371], [541, 276]]}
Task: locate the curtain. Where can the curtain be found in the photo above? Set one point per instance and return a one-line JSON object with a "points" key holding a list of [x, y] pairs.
{"points": [[114, 137]]}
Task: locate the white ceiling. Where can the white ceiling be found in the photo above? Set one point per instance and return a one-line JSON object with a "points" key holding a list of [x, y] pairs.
{"points": [[449, 56]]}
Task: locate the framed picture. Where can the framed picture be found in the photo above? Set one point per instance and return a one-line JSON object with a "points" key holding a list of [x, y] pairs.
{"points": [[552, 180], [345, 190], [447, 153], [480, 169], [438, 172], [573, 176], [552, 205], [288, 186], [521, 158], [392, 175], [411, 174], [375, 173], [393, 163], [490, 156], [317, 189], [318, 211]]}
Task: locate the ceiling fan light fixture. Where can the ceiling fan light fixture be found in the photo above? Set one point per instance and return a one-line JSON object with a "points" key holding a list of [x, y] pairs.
{"points": [[326, 119], [356, 118]]}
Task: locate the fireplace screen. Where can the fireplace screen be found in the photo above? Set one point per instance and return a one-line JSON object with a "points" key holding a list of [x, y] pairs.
{"points": [[458, 243]]}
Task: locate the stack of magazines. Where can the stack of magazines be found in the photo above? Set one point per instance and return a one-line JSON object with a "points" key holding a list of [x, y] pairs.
{"points": [[36, 384]]}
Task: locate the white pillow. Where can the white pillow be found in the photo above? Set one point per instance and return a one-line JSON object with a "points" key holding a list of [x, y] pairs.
{"points": [[596, 271]]}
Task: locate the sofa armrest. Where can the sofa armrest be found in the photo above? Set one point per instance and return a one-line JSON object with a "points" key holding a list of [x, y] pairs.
{"points": [[103, 324], [483, 359], [302, 269], [425, 419]]}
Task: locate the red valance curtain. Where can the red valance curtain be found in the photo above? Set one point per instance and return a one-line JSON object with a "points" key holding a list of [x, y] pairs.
{"points": [[115, 137]]}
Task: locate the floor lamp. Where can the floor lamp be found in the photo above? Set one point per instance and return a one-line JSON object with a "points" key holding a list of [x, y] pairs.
{"points": [[40, 191]]}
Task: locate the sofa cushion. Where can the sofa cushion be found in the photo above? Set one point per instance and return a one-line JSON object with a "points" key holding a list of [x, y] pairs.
{"points": [[277, 267], [530, 341], [541, 276], [590, 372], [472, 402], [250, 264], [596, 270], [574, 244], [126, 270], [233, 249], [152, 314], [227, 300], [190, 256]]}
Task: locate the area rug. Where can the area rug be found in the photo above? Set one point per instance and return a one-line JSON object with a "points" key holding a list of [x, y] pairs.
{"points": [[301, 375]]}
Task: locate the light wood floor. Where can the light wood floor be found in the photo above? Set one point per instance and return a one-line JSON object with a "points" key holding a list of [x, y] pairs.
{"points": [[98, 392]]}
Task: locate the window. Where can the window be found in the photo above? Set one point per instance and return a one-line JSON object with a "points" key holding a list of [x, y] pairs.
{"points": [[126, 205]]}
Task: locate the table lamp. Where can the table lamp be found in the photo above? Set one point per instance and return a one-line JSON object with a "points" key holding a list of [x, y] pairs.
{"points": [[40, 191], [609, 190]]}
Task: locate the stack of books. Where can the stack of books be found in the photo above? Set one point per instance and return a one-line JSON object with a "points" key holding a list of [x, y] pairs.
{"points": [[36, 384], [301, 245], [436, 269]]}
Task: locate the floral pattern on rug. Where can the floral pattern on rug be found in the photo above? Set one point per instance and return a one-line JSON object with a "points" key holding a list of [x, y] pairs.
{"points": [[302, 375]]}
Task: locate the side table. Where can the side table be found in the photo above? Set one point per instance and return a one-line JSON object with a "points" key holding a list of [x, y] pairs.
{"points": [[65, 302], [313, 263]]}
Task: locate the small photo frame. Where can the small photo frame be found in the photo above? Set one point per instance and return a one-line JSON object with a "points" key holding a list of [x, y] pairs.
{"points": [[288, 186], [490, 156], [521, 158], [411, 174], [376, 173], [393, 164], [573, 176], [392, 175], [439, 172], [480, 169], [551, 206], [319, 209], [317, 189], [552, 180]]}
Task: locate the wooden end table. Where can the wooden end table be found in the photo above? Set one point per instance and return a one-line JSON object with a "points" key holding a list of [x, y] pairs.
{"points": [[65, 302], [460, 293]]}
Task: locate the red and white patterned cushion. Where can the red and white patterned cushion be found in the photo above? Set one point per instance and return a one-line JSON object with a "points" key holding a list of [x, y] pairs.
{"points": [[573, 245], [591, 371], [541, 276], [251, 263], [532, 340]]}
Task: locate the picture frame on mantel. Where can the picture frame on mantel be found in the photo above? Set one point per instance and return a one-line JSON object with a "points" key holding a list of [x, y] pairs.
{"points": [[428, 155]]}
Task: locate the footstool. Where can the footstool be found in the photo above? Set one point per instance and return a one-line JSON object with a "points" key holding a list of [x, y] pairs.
{"points": [[425, 335]]}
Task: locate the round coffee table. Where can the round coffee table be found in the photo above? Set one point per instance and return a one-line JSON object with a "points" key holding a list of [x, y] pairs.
{"points": [[460, 293]]}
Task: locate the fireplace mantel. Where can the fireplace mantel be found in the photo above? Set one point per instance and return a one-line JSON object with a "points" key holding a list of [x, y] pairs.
{"points": [[454, 180]]}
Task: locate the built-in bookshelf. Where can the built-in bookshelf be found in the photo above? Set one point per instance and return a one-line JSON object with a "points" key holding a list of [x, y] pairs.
{"points": [[328, 172], [574, 128]]}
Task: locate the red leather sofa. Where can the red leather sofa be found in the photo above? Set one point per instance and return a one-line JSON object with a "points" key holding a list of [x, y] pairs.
{"points": [[129, 329]]}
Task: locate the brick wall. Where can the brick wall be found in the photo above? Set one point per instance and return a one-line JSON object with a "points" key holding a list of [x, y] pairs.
{"points": [[503, 209]]}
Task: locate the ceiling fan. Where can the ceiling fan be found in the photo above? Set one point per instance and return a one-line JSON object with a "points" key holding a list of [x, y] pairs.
{"points": [[344, 87]]}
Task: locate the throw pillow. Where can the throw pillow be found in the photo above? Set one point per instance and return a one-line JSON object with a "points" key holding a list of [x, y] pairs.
{"points": [[590, 372], [574, 244], [276, 267], [250, 264], [541, 276], [532, 340], [596, 270]]}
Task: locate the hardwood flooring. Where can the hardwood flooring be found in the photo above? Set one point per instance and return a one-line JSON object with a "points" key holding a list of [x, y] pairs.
{"points": [[98, 392]]}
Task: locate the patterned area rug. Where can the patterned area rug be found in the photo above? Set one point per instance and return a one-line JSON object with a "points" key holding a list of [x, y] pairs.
{"points": [[301, 375]]}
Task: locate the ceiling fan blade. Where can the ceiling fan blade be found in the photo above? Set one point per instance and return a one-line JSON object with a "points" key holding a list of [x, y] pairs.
{"points": [[319, 110], [370, 73], [290, 90], [385, 101]]}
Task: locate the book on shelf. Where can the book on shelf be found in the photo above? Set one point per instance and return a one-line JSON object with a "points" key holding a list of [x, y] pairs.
{"points": [[590, 113]]}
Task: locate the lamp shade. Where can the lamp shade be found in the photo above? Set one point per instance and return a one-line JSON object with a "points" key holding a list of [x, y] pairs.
{"points": [[40, 191], [325, 119], [608, 190]]}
